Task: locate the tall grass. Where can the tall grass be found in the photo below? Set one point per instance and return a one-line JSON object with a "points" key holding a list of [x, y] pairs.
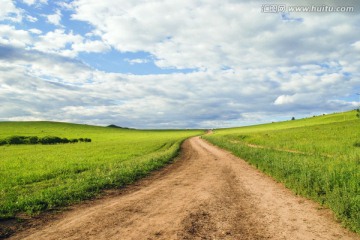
{"points": [[34, 178], [314, 157]]}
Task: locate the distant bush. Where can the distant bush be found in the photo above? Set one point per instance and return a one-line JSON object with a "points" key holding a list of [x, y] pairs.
{"points": [[33, 140], [2, 142], [15, 140], [50, 140]]}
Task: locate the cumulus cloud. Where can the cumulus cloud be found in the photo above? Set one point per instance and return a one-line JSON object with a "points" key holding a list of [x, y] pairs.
{"points": [[95, 46], [35, 31], [55, 18], [56, 42], [284, 99], [182, 34], [198, 99], [67, 43], [44, 66], [9, 35], [8, 11]]}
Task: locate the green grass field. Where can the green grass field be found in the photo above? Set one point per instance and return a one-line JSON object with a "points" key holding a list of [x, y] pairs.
{"points": [[34, 178], [315, 157]]}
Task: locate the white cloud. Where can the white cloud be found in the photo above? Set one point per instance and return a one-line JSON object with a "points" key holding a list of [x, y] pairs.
{"points": [[59, 88], [67, 44], [35, 2], [31, 18], [58, 42], [284, 99], [65, 5], [35, 31], [90, 46], [136, 60], [9, 35], [8, 11], [29, 2], [55, 18], [356, 45], [213, 35]]}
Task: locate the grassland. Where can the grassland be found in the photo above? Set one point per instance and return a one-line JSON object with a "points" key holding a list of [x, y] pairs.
{"points": [[315, 157], [34, 178]]}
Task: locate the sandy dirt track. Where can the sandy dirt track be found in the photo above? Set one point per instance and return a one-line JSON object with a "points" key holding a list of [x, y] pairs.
{"points": [[207, 193]]}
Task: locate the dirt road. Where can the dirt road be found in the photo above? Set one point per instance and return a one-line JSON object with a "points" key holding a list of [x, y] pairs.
{"points": [[206, 194]]}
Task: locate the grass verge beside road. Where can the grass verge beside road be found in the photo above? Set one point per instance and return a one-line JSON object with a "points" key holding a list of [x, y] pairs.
{"points": [[316, 157]]}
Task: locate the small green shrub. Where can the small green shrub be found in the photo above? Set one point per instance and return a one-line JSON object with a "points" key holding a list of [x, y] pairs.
{"points": [[33, 140], [15, 140]]}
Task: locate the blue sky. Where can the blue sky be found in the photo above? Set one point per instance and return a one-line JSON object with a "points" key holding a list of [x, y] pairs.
{"points": [[175, 64]]}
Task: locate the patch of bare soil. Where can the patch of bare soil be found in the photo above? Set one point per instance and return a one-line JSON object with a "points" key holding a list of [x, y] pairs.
{"points": [[207, 193]]}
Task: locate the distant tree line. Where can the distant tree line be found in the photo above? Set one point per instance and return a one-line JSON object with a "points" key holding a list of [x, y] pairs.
{"points": [[40, 140]]}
